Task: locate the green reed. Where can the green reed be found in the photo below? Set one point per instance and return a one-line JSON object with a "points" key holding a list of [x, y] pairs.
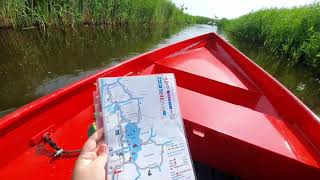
{"points": [[293, 33], [30, 13]]}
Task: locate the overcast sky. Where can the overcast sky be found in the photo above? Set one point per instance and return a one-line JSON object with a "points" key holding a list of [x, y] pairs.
{"points": [[234, 8]]}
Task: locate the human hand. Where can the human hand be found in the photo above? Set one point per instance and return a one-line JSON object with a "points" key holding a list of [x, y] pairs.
{"points": [[92, 159]]}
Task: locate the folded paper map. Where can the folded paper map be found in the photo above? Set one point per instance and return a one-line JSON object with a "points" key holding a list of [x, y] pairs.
{"points": [[143, 128]]}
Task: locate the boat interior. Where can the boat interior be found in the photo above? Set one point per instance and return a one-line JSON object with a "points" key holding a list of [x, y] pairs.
{"points": [[238, 119]]}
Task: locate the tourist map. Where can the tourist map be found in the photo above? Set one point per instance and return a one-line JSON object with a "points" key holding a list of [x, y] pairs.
{"points": [[143, 128]]}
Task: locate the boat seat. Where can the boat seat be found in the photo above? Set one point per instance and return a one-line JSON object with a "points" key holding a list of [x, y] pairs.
{"points": [[215, 80], [194, 61], [209, 114]]}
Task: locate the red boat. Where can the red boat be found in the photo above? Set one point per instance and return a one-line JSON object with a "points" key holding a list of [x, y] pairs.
{"points": [[238, 118]]}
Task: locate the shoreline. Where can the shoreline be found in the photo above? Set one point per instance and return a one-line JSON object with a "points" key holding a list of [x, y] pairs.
{"points": [[289, 33]]}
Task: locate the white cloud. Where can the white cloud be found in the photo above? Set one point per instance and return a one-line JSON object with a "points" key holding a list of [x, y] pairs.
{"points": [[234, 8]]}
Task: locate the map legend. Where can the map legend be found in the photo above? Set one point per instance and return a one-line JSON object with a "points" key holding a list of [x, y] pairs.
{"points": [[179, 162]]}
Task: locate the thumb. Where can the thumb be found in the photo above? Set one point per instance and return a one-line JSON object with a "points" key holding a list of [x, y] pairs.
{"points": [[102, 154]]}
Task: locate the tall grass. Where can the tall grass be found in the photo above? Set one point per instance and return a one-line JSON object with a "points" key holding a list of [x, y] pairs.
{"points": [[26, 13], [292, 33]]}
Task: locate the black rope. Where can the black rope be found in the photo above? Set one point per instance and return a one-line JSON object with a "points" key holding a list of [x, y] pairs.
{"points": [[58, 150]]}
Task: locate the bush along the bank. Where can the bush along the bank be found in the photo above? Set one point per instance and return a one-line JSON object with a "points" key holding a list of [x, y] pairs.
{"points": [[293, 33], [27, 13]]}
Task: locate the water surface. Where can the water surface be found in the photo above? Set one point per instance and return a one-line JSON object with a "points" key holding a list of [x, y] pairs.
{"points": [[34, 63]]}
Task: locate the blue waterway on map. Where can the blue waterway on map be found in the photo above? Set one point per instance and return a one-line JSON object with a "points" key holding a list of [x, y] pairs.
{"points": [[113, 108], [132, 136]]}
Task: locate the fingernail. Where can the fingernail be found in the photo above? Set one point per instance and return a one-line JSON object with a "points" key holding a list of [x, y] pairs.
{"points": [[103, 149]]}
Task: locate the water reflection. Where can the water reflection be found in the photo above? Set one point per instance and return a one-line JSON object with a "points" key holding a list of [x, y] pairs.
{"points": [[298, 79], [34, 63]]}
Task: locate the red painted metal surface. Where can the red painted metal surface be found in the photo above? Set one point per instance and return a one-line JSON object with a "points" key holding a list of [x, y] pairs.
{"points": [[238, 118]]}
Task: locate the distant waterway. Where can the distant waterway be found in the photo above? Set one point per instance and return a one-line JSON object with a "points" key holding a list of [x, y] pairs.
{"points": [[34, 63]]}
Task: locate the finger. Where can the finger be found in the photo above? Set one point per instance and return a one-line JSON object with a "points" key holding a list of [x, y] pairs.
{"points": [[99, 140], [85, 159], [91, 143], [98, 135], [102, 155], [97, 149], [102, 149]]}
